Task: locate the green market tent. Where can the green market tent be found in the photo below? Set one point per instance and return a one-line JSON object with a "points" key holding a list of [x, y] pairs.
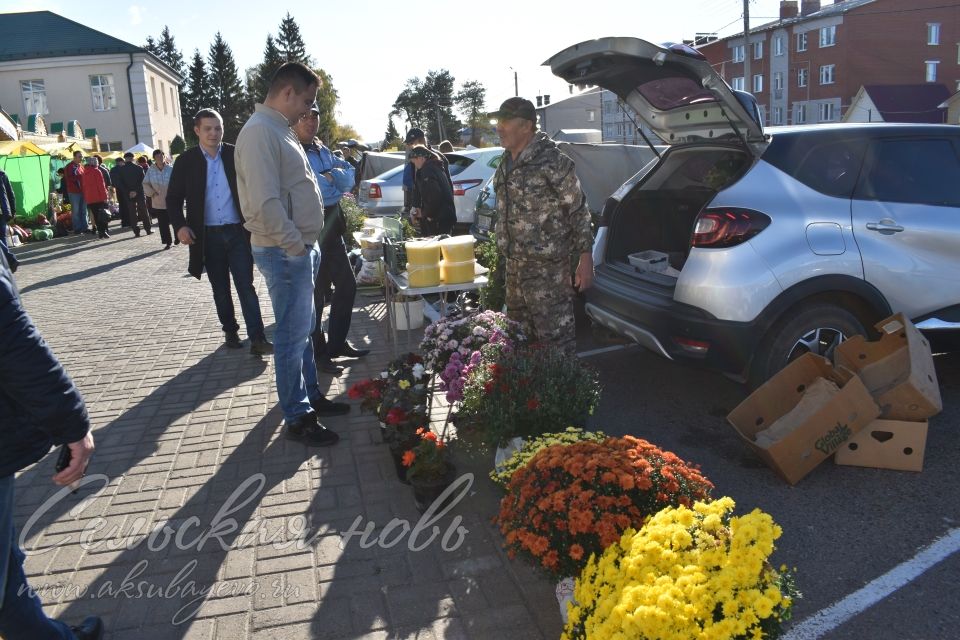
{"points": [[28, 169]]}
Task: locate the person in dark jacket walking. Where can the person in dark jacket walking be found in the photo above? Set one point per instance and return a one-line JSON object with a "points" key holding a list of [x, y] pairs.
{"points": [[434, 193], [130, 188], [205, 178], [39, 407], [8, 209]]}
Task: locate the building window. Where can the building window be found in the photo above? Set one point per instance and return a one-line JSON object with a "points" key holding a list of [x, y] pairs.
{"points": [[778, 81], [34, 97], [802, 76], [153, 90], [737, 83], [801, 114], [758, 50], [591, 115], [778, 46], [932, 70], [826, 112], [758, 83], [801, 42], [738, 53], [163, 96], [173, 103], [102, 91], [933, 33], [111, 146], [778, 115], [826, 74], [828, 36]]}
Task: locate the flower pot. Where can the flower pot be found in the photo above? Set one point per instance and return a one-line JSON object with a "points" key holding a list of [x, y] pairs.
{"points": [[427, 490], [564, 593], [503, 453]]}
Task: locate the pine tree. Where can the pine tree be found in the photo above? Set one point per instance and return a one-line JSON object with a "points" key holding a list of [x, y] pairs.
{"points": [[290, 42], [152, 46], [196, 96], [392, 136], [272, 59], [168, 51], [226, 90]]}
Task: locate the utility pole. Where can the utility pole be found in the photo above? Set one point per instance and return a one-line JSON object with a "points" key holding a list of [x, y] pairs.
{"points": [[516, 85], [747, 53]]}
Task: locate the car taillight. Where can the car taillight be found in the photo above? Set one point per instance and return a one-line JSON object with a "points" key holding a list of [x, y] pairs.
{"points": [[460, 186], [374, 192], [720, 228]]}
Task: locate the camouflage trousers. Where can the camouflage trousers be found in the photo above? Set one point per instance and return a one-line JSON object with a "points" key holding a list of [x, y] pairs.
{"points": [[540, 298]]}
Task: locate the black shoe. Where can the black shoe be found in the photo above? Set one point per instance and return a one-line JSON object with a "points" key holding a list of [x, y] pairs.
{"points": [[328, 366], [232, 340], [105, 235], [349, 351], [328, 408], [259, 347], [149, 232], [307, 430], [176, 241], [166, 246], [136, 233], [91, 629]]}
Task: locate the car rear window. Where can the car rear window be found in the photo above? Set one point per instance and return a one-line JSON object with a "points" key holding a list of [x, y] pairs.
{"points": [[458, 163], [673, 92], [832, 168], [915, 170]]}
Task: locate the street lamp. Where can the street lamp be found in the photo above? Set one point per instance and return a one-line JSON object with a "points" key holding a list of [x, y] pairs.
{"points": [[516, 86]]}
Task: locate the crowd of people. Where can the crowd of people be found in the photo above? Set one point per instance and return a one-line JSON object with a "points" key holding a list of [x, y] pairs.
{"points": [[272, 201]]}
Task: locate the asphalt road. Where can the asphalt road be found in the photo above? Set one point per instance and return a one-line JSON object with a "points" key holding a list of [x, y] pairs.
{"points": [[843, 527]]}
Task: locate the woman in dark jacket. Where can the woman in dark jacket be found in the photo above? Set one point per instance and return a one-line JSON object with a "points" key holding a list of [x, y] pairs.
{"points": [[437, 212]]}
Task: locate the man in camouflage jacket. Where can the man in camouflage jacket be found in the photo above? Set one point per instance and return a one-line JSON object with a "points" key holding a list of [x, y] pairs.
{"points": [[542, 222]]}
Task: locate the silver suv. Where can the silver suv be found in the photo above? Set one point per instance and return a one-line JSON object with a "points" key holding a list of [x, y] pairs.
{"points": [[741, 249]]}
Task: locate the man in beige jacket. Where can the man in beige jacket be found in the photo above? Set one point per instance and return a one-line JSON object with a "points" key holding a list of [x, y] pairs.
{"points": [[283, 211]]}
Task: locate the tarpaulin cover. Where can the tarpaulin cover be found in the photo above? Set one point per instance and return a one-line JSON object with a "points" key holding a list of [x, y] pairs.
{"points": [[30, 177]]}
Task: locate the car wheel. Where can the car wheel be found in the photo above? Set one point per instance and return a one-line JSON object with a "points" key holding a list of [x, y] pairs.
{"points": [[817, 329]]}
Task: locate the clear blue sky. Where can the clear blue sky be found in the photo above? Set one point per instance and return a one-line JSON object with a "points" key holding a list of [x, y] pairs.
{"points": [[367, 46]]}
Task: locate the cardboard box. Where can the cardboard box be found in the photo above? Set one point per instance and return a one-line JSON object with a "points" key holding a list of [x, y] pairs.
{"points": [[897, 369], [886, 444], [821, 434]]}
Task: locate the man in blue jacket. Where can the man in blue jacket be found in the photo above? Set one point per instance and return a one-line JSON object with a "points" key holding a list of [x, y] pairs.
{"points": [[39, 407], [334, 177]]}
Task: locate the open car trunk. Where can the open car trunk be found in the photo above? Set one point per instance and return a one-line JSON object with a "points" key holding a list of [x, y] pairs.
{"points": [[658, 215]]}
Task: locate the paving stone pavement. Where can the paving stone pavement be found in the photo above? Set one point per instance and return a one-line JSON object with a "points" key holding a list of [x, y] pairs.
{"points": [[200, 520]]}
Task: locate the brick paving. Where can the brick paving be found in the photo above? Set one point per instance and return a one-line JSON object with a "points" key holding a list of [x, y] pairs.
{"points": [[182, 425]]}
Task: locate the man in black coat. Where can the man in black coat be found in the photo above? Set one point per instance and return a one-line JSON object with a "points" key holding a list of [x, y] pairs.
{"points": [[129, 187], [205, 178], [39, 407], [434, 194]]}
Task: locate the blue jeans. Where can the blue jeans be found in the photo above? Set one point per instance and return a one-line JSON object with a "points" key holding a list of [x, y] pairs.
{"points": [[21, 616], [78, 211], [290, 282], [226, 252]]}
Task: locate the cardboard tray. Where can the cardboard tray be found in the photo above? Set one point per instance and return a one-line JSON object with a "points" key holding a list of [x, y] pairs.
{"points": [[886, 444], [821, 434], [897, 369]]}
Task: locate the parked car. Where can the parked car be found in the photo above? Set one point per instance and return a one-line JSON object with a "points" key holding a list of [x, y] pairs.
{"points": [[382, 195], [776, 244]]}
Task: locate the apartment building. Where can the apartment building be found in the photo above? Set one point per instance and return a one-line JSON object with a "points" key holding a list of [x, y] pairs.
{"points": [[810, 64]]}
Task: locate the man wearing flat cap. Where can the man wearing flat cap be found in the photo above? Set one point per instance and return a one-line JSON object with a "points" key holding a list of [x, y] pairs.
{"points": [[412, 198], [543, 223]]}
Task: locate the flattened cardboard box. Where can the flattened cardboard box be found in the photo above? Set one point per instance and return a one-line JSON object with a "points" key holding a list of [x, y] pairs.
{"points": [[821, 434], [886, 444], [897, 369]]}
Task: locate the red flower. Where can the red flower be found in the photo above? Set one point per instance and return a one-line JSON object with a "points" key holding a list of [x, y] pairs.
{"points": [[532, 404], [396, 416], [408, 458], [488, 387]]}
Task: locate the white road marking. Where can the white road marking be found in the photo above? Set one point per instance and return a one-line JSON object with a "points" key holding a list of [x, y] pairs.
{"points": [[825, 620], [596, 352]]}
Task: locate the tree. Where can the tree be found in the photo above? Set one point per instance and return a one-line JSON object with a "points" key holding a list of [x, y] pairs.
{"points": [[471, 99], [423, 103], [342, 132], [226, 90], [168, 51], [196, 96], [392, 137], [177, 145], [152, 46], [327, 101], [259, 81], [290, 42]]}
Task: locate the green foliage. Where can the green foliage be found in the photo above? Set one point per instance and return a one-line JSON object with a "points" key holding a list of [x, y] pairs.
{"points": [[354, 217], [391, 137], [528, 392], [259, 80], [196, 96], [530, 448], [429, 460], [177, 146], [471, 99], [421, 101], [226, 91], [327, 101], [493, 295], [168, 51]]}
